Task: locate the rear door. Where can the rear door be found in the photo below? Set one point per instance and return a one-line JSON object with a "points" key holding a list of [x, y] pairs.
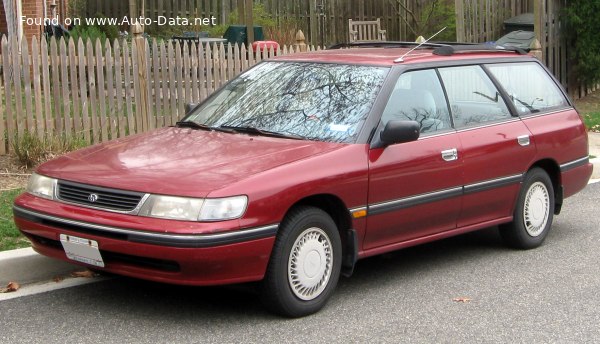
{"points": [[415, 188], [497, 147]]}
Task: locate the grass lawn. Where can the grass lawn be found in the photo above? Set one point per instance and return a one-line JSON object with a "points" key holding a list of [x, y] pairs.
{"points": [[589, 108], [10, 237], [592, 120]]}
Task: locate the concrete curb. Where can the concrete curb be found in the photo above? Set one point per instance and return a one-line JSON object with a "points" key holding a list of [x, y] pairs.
{"points": [[25, 266]]}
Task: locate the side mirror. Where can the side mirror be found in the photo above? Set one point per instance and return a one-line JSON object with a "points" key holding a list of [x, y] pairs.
{"points": [[189, 107], [400, 131]]}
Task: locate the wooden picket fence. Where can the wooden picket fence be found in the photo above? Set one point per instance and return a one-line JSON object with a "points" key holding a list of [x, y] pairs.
{"points": [[97, 91], [323, 22]]}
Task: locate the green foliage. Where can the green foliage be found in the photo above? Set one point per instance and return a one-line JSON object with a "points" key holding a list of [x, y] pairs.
{"points": [[429, 17], [88, 32], [442, 15], [592, 121], [10, 237], [95, 32], [30, 150], [582, 27]]}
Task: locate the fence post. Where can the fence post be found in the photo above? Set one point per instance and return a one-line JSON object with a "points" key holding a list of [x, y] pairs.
{"points": [[460, 20], [300, 42], [139, 43], [536, 49]]}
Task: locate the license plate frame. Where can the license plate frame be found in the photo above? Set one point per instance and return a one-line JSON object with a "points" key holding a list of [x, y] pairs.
{"points": [[82, 250]]}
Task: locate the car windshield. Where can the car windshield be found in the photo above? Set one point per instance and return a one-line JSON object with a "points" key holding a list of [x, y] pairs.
{"points": [[315, 101]]}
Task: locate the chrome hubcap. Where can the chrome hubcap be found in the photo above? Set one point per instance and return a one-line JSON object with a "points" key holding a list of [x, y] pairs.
{"points": [[309, 265], [537, 209]]}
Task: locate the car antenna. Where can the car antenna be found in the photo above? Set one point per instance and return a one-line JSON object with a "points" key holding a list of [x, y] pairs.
{"points": [[401, 58]]}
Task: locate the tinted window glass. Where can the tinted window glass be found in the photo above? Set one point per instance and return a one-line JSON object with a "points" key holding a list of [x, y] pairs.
{"points": [[418, 96], [473, 97], [327, 102], [529, 86]]}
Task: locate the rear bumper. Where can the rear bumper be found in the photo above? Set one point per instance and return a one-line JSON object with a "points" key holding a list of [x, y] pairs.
{"points": [[189, 259], [575, 176]]}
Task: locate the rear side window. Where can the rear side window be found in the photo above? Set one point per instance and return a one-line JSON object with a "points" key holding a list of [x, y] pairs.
{"points": [[418, 96], [473, 97], [529, 87]]}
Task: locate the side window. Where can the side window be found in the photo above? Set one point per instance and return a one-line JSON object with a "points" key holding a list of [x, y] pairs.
{"points": [[530, 88], [473, 97], [418, 96]]}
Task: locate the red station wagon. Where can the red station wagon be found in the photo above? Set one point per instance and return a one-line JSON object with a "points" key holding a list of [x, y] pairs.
{"points": [[306, 163]]}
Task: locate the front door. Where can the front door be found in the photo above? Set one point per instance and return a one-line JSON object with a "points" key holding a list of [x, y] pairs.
{"points": [[415, 188]]}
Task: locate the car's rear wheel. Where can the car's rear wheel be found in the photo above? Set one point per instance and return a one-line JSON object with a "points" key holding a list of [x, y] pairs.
{"points": [[533, 214], [305, 263]]}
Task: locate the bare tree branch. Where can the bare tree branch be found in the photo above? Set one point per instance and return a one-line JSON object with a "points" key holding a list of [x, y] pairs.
{"points": [[417, 25]]}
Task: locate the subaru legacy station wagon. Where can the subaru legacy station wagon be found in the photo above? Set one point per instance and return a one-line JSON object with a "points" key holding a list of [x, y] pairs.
{"points": [[306, 163]]}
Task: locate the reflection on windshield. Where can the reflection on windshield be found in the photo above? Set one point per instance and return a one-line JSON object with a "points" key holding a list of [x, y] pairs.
{"points": [[323, 102]]}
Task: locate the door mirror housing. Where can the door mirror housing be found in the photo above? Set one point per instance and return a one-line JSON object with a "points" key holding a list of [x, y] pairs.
{"points": [[189, 107], [400, 132]]}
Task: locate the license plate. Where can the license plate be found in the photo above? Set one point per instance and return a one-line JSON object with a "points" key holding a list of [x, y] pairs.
{"points": [[82, 250]]}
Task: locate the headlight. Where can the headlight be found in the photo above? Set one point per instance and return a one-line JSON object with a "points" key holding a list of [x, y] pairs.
{"points": [[169, 207], [41, 186], [194, 209], [215, 209]]}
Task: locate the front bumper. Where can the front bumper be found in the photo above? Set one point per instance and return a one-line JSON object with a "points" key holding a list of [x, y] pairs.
{"points": [[172, 257]]}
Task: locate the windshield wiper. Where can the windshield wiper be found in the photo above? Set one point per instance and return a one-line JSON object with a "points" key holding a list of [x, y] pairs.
{"points": [[193, 125], [261, 132], [196, 125]]}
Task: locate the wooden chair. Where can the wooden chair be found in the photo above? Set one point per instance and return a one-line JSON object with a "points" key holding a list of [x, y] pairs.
{"points": [[365, 31]]}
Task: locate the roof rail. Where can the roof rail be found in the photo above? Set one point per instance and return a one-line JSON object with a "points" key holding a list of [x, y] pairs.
{"points": [[480, 48], [385, 44]]}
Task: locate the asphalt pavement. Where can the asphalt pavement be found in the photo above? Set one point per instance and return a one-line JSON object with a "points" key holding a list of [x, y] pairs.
{"points": [[466, 289]]}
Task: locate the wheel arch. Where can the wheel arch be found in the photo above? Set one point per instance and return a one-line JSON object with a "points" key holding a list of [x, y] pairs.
{"points": [[337, 209], [553, 170]]}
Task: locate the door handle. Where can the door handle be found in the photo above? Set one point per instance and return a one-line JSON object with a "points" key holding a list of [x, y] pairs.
{"points": [[523, 140], [450, 154]]}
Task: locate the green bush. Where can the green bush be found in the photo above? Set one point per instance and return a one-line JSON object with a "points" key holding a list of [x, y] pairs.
{"points": [[30, 150], [95, 32], [582, 27], [88, 32]]}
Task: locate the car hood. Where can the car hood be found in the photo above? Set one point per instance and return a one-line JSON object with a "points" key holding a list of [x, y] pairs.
{"points": [[180, 161]]}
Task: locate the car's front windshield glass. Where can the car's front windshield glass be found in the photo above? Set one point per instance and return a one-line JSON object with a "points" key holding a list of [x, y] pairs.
{"points": [[315, 101]]}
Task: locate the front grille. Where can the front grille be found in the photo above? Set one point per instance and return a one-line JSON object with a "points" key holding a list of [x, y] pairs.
{"points": [[98, 197]]}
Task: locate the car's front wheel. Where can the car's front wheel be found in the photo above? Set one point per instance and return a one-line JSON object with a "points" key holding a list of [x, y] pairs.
{"points": [[533, 214], [305, 263]]}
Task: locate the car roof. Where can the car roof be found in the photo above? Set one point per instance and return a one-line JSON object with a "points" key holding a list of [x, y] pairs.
{"points": [[387, 56]]}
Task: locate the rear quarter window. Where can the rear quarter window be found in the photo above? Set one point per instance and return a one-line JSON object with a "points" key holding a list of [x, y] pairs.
{"points": [[473, 98], [529, 87]]}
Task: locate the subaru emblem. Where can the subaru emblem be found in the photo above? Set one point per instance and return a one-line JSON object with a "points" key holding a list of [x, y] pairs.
{"points": [[93, 197]]}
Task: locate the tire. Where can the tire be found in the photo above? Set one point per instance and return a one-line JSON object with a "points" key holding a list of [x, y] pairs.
{"points": [[533, 214], [308, 237]]}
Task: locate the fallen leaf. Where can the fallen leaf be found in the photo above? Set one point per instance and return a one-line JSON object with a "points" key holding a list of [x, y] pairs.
{"points": [[58, 279], [11, 287], [461, 299], [84, 273]]}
